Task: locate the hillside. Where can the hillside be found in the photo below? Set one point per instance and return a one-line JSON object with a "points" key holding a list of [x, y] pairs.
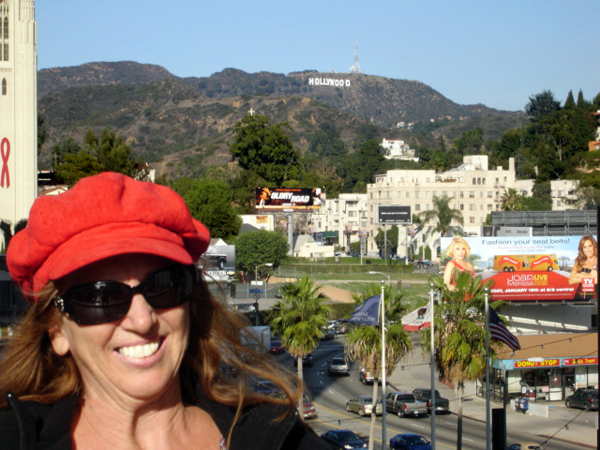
{"points": [[183, 124]]}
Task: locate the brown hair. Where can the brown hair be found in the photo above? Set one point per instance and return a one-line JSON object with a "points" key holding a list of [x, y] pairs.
{"points": [[581, 258], [33, 371]]}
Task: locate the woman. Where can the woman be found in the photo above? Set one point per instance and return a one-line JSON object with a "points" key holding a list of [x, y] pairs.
{"points": [[123, 344], [458, 250], [585, 267]]}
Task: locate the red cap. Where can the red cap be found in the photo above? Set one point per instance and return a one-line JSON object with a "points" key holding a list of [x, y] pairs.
{"points": [[102, 216]]}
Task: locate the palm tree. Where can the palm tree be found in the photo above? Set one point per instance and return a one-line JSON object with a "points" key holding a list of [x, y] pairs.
{"points": [[511, 200], [443, 214], [363, 344], [460, 351], [300, 318]]}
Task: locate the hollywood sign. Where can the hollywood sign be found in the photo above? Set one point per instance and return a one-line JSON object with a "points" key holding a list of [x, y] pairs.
{"points": [[328, 82]]}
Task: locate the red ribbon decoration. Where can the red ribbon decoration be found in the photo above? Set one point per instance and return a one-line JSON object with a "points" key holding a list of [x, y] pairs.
{"points": [[5, 151]]}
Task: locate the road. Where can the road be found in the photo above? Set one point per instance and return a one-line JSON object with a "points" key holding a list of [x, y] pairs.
{"points": [[330, 395]]}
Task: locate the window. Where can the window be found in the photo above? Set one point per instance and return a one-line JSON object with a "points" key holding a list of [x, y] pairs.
{"points": [[417, 194], [471, 219], [417, 207], [462, 207], [489, 194], [4, 35], [474, 181], [489, 206], [471, 194], [462, 194], [4, 89], [471, 207]]}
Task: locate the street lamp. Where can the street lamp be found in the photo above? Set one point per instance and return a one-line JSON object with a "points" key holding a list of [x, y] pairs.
{"points": [[383, 368], [257, 295]]}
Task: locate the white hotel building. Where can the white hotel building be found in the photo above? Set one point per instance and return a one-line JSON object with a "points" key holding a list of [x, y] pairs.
{"points": [[475, 191]]}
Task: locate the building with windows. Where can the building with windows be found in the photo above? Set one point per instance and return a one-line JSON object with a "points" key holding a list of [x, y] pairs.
{"points": [[475, 189], [18, 109]]}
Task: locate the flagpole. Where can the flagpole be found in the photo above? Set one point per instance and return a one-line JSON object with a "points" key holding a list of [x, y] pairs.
{"points": [[487, 376], [432, 363], [383, 368]]}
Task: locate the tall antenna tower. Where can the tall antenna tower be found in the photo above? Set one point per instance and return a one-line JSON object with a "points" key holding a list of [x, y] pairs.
{"points": [[356, 67]]}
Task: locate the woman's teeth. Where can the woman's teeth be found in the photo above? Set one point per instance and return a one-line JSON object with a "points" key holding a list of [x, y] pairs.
{"points": [[139, 351]]}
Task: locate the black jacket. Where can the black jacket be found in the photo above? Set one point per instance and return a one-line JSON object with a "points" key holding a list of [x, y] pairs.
{"points": [[28, 425]]}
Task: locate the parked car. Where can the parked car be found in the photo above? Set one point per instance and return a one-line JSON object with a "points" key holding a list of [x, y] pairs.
{"points": [[583, 398], [338, 366], [410, 441], [343, 439], [363, 405], [424, 395], [405, 404], [524, 446], [276, 348], [308, 408], [423, 264], [307, 360]]}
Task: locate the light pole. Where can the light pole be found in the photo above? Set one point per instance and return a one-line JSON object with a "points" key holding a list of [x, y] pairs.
{"points": [[257, 295], [383, 368]]}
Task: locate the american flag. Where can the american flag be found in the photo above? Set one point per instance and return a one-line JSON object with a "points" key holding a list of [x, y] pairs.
{"points": [[499, 331]]}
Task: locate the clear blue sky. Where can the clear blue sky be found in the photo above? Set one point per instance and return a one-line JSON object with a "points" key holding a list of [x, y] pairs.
{"points": [[498, 53]]}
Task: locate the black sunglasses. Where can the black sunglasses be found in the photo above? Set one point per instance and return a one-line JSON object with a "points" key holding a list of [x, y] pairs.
{"points": [[108, 301]]}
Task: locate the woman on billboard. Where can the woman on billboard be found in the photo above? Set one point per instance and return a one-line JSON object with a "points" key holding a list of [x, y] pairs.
{"points": [[458, 250], [585, 269]]}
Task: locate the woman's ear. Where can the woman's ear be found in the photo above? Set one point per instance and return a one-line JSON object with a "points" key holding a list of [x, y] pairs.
{"points": [[59, 340]]}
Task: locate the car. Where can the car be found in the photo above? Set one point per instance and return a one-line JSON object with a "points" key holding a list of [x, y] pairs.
{"points": [[307, 361], [343, 439], [276, 348], [423, 264], [583, 398], [308, 408], [524, 446], [410, 441], [268, 388], [365, 377], [338, 366], [442, 405], [340, 328], [363, 405], [328, 334]]}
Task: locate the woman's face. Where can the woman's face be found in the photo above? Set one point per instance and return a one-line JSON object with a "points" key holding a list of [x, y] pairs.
{"points": [[588, 249], [459, 251], [136, 358]]}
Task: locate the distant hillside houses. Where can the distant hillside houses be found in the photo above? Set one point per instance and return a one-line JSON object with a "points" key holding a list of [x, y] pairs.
{"points": [[398, 149]]}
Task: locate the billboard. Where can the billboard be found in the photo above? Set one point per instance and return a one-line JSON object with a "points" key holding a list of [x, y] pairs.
{"points": [[394, 215], [535, 268], [298, 199]]}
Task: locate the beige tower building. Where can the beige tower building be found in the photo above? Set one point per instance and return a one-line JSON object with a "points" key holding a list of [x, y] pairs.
{"points": [[18, 109]]}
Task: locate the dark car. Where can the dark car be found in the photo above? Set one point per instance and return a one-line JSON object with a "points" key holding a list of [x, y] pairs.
{"points": [[410, 441], [583, 398], [526, 446], [423, 264], [442, 405], [307, 360], [343, 439], [276, 348], [268, 388], [338, 366], [328, 334]]}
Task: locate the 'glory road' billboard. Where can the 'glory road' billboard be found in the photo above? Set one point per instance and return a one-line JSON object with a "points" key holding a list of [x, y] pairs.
{"points": [[299, 199], [536, 268]]}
